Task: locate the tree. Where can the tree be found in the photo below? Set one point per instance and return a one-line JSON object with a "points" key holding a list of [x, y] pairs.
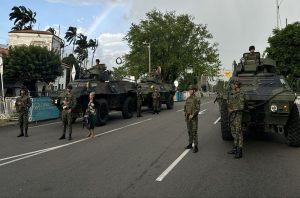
{"points": [[71, 60], [31, 64], [52, 30], [177, 45], [284, 49], [22, 16], [93, 44], [71, 36], [82, 48]]}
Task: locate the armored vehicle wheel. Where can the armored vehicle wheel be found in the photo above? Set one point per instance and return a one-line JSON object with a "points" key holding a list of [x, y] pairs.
{"points": [[102, 112], [292, 128], [170, 102], [226, 134], [128, 108]]}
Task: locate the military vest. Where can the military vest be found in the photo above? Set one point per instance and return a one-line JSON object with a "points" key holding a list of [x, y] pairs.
{"points": [[69, 98], [236, 101], [192, 105], [23, 103]]}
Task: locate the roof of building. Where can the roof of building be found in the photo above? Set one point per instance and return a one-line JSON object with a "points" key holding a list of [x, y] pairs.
{"points": [[34, 32]]}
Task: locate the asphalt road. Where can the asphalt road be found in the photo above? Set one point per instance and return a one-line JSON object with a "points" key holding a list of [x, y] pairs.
{"points": [[145, 157]]}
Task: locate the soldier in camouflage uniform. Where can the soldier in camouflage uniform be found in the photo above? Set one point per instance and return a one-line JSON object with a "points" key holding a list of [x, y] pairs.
{"points": [[191, 110], [139, 101], [236, 105], [23, 103], [68, 103], [155, 101]]}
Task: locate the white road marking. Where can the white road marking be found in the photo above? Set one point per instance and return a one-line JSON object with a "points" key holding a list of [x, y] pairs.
{"points": [[217, 120], [201, 104], [201, 112], [168, 170], [38, 152]]}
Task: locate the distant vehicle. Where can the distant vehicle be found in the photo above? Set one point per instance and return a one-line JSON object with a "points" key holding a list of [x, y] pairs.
{"points": [[110, 95], [167, 91], [270, 101]]}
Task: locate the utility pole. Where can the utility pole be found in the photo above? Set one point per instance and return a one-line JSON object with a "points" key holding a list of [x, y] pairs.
{"points": [[149, 46], [277, 14]]}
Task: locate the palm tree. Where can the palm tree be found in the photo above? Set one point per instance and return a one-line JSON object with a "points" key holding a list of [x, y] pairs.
{"points": [[93, 44], [22, 16], [82, 48], [52, 30], [71, 36]]}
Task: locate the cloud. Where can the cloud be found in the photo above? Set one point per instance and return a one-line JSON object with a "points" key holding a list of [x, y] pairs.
{"points": [[88, 2], [111, 46]]}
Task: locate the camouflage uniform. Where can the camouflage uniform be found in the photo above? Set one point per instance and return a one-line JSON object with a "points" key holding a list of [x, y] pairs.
{"points": [[155, 101], [23, 103], [192, 107], [139, 101], [68, 103]]}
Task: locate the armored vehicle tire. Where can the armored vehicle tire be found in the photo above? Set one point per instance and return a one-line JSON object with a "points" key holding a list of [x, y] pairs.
{"points": [[170, 102], [128, 108], [226, 134], [102, 112], [292, 128]]}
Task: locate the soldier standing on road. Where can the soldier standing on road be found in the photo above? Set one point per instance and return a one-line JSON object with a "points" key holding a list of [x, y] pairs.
{"points": [[236, 105], [68, 103], [91, 112], [155, 101], [191, 110], [23, 103], [139, 101]]}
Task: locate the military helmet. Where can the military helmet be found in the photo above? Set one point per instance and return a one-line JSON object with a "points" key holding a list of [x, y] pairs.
{"points": [[69, 87], [252, 47], [191, 87]]}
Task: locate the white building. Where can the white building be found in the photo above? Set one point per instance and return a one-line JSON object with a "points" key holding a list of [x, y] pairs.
{"points": [[43, 39], [34, 37]]}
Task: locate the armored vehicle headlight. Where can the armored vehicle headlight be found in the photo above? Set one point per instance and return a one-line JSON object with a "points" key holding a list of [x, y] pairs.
{"points": [[55, 101], [285, 108], [273, 108]]}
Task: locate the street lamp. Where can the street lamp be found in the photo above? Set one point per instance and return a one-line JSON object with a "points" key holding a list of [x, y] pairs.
{"points": [[149, 48]]}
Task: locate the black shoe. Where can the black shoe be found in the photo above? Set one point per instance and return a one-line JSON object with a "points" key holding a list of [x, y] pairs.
{"points": [[26, 135], [195, 150], [239, 153], [62, 137], [189, 146], [21, 135], [70, 138], [232, 151]]}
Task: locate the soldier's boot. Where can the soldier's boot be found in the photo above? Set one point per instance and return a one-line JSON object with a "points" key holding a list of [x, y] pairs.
{"points": [[189, 146], [195, 150], [232, 151], [26, 132], [239, 153], [70, 137], [21, 134]]}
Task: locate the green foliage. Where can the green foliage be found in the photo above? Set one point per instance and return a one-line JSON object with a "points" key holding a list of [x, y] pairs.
{"points": [[285, 50], [177, 44], [22, 16], [30, 64], [119, 73], [71, 60]]}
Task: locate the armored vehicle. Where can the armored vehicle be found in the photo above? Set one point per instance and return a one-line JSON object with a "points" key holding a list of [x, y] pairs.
{"points": [[110, 95], [167, 91], [270, 101]]}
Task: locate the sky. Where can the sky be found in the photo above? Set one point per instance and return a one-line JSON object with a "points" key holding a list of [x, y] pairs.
{"points": [[234, 24]]}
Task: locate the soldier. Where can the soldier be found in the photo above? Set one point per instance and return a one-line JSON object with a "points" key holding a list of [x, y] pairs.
{"points": [[99, 66], [23, 103], [139, 101], [191, 110], [236, 105], [68, 103], [155, 101]]}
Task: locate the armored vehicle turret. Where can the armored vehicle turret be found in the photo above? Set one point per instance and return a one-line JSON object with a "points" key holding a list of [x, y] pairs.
{"points": [[270, 101], [167, 91]]}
